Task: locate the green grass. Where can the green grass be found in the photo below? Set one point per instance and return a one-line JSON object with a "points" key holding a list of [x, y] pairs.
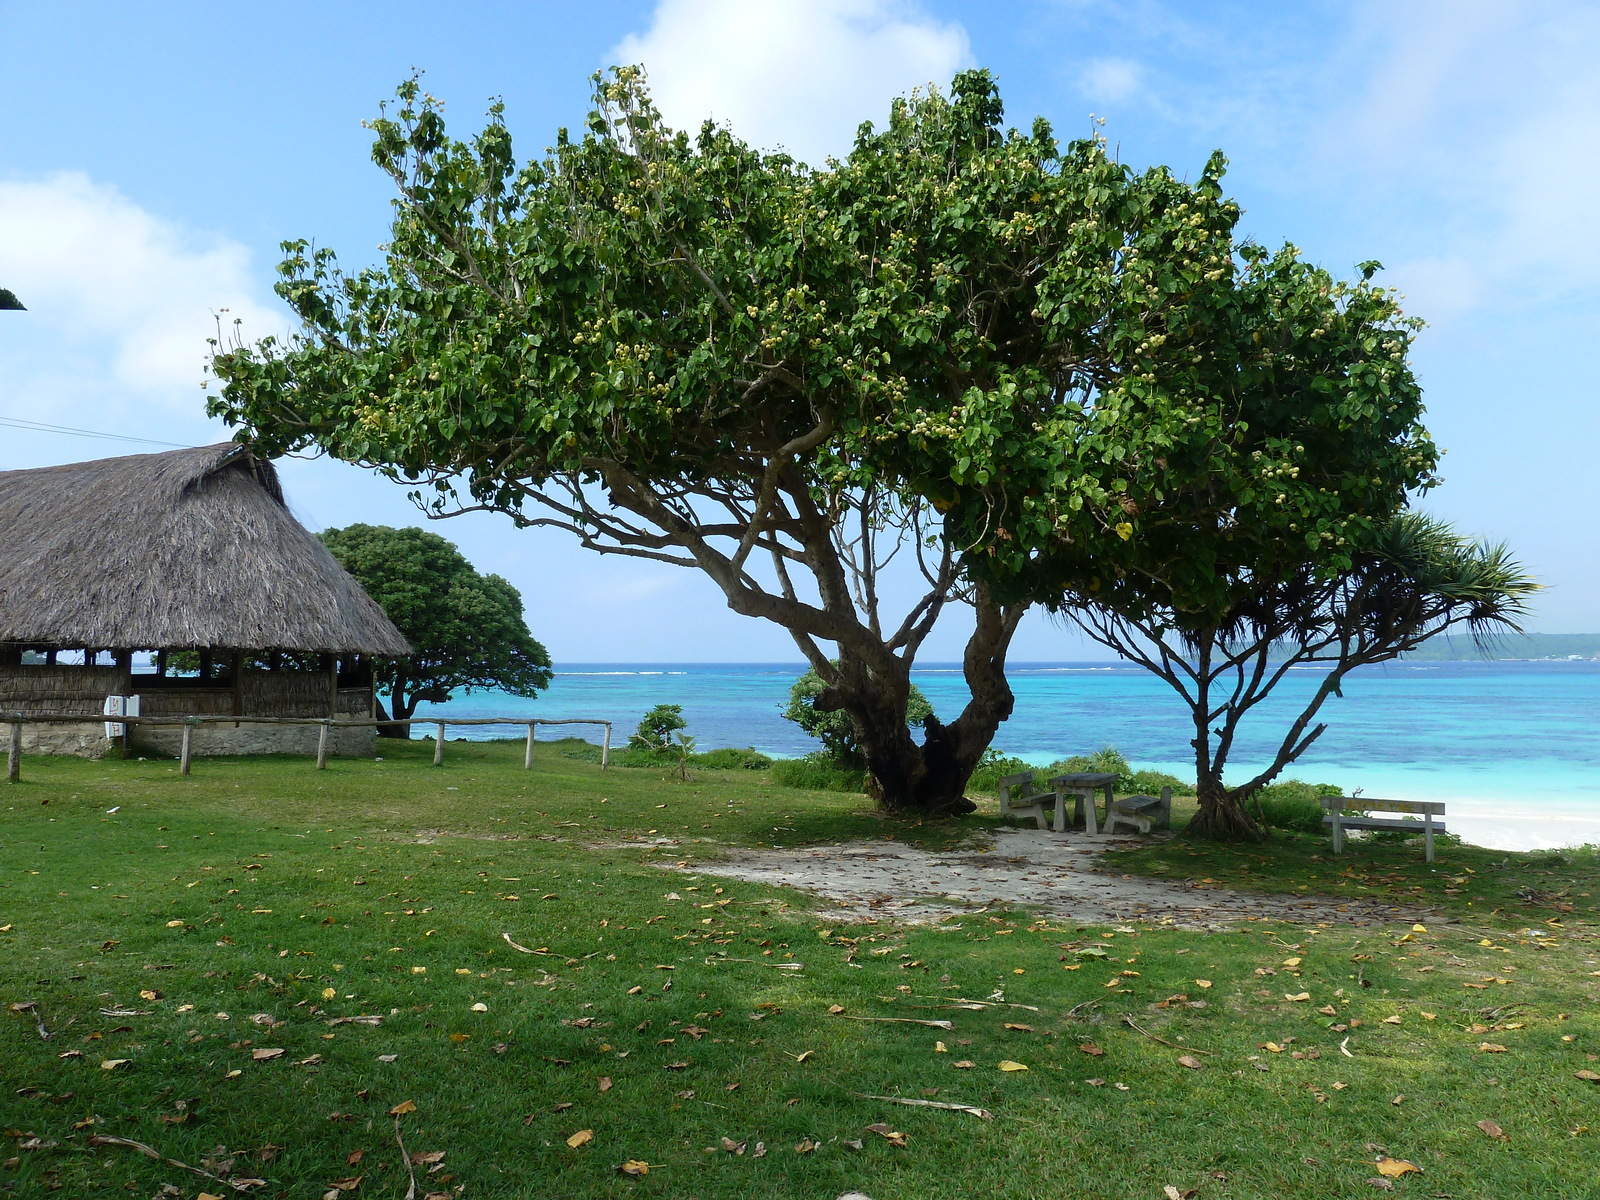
{"points": [[259, 886]]}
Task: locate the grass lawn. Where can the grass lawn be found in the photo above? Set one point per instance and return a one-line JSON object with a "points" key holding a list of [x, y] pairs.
{"points": [[195, 945]]}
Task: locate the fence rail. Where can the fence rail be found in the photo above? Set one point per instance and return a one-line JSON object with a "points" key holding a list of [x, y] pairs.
{"points": [[190, 723]]}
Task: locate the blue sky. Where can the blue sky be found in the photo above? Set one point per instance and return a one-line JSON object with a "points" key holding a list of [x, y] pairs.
{"points": [[152, 157]]}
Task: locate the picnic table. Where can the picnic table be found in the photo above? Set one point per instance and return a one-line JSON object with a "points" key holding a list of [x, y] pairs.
{"points": [[1082, 785]]}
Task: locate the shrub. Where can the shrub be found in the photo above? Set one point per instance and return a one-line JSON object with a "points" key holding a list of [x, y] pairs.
{"points": [[1294, 804], [657, 727], [818, 772], [730, 759], [834, 729], [991, 769]]}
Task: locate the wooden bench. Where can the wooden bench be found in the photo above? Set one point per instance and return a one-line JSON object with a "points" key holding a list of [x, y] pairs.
{"points": [[1343, 814], [1020, 796], [1143, 813]]}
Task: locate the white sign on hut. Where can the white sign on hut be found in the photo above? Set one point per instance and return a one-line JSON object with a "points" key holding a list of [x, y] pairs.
{"points": [[183, 580]]}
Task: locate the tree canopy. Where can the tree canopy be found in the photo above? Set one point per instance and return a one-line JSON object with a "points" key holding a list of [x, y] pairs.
{"points": [[466, 630], [1036, 372]]}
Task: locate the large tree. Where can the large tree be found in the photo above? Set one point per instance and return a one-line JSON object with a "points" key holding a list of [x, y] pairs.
{"points": [[681, 349], [466, 630]]}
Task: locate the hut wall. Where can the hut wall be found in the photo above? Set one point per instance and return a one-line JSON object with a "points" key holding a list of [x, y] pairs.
{"points": [[63, 689], [74, 689]]}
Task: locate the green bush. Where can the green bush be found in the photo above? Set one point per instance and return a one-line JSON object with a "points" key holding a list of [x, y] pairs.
{"points": [[818, 772], [730, 759], [657, 727], [991, 769], [1294, 804]]}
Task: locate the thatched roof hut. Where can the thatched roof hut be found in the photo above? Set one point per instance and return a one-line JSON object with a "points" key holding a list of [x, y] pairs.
{"points": [[189, 549]]}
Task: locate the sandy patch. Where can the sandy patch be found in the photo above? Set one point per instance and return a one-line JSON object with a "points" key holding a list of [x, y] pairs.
{"points": [[1057, 876]]}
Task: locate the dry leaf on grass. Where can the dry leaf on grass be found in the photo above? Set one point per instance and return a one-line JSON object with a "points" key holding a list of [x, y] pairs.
{"points": [[1190, 1061], [1492, 1129], [1587, 1076], [805, 1146], [582, 1138], [964, 1065], [635, 1166], [1172, 1193], [1205, 983], [265, 1052], [733, 1147], [401, 1109], [888, 1133], [1394, 1168], [111, 1064], [605, 1083], [1090, 1049], [1297, 997], [1491, 1048], [1005, 1064], [428, 1157]]}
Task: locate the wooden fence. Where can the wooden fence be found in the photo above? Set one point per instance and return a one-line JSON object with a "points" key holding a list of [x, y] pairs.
{"points": [[189, 723]]}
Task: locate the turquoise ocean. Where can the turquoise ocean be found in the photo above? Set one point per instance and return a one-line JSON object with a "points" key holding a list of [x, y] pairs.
{"points": [[1514, 747]]}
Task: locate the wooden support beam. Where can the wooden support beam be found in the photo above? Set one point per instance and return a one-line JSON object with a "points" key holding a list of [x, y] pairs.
{"points": [[14, 754], [332, 663], [322, 746]]}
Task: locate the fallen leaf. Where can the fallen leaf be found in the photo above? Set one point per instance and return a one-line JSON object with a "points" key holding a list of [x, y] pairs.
{"points": [[582, 1138], [1190, 1061], [674, 1066], [805, 1146], [760, 1151], [387, 1058], [889, 1134], [605, 1083], [1394, 1168], [964, 1064], [1205, 983], [1428, 1016], [354, 1157], [1273, 1047], [1297, 997], [635, 1166], [1006, 1064], [263, 1053], [1394, 1020], [1095, 1082], [111, 1064], [480, 1006], [1328, 1010], [733, 1147], [835, 1009], [1090, 1049], [348, 1185], [1379, 1182], [401, 1109], [940, 1048], [1419, 929], [1021, 1028], [1491, 1048], [328, 993], [1587, 1076], [1492, 1129]]}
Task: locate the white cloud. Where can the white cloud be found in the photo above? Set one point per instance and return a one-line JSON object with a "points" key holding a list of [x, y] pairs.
{"points": [[1111, 79], [796, 74], [120, 304]]}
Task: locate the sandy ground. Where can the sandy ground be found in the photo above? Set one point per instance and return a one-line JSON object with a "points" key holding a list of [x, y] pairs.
{"points": [[1055, 875]]}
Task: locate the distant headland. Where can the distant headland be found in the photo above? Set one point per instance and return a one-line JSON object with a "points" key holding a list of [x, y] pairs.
{"points": [[1525, 646]]}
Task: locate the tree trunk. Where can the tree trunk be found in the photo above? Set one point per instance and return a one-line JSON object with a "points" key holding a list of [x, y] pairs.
{"points": [[1221, 817], [929, 779], [395, 729]]}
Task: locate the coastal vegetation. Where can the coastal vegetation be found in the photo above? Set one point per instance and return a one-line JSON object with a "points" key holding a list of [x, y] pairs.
{"points": [[466, 629], [1041, 376], [306, 979]]}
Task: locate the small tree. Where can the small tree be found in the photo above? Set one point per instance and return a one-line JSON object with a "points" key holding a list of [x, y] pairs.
{"points": [[833, 727], [1415, 580], [657, 727], [466, 630]]}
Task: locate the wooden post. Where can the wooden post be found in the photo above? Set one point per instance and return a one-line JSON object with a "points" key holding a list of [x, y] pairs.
{"points": [[438, 746], [14, 753], [605, 748], [1427, 835], [322, 746], [527, 756], [238, 685], [188, 743], [333, 685]]}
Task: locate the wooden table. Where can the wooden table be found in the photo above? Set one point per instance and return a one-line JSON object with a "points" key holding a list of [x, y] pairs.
{"points": [[1083, 785]]}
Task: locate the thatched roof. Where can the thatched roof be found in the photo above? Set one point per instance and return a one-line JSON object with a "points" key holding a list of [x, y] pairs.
{"points": [[190, 549]]}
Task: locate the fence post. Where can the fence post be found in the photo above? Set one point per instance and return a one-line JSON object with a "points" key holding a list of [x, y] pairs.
{"points": [[188, 744], [322, 746], [14, 753], [605, 747], [527, 757], [438, 746]]}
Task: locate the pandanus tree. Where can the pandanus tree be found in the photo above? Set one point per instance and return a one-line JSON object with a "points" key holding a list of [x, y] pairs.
{"points": [[682, 349]]}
